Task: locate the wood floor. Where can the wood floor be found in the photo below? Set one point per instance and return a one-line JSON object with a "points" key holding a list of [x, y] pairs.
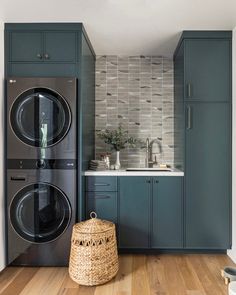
{"points": [[163, 274]]}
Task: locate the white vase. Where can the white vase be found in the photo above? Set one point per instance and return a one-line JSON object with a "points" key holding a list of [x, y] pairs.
{"points": [[117, 164]]}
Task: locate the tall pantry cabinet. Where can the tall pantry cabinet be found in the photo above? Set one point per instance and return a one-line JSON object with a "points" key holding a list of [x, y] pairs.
{"points": [[202, 65]]}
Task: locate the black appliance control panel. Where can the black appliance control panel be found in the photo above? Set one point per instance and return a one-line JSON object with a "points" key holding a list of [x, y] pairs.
{"points": [[69, 164]]}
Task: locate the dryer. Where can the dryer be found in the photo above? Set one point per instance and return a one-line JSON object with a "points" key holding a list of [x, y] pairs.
{"points": [[41, 118], [40, 214]]}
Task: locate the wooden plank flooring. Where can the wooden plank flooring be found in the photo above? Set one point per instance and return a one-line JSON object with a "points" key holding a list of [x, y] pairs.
{"points": [[164, 274]]}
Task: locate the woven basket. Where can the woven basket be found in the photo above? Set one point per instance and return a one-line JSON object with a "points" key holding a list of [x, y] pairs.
{"points": [[93, 256]]}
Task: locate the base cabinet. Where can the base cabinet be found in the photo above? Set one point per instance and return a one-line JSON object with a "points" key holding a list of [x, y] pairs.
{"points": [[134, 211], [207, 180], [148, 211], [101, 197], [167, 213], [104, 204]]}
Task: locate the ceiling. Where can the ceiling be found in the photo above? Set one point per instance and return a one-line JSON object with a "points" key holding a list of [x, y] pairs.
{"points": [[128, 27]]}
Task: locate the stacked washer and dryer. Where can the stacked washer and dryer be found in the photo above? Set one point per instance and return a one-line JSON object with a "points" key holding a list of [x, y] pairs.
{"points": [[41, 169]]}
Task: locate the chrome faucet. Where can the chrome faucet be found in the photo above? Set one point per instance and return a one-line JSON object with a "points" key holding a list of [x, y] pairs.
{"points": [[147, 153], [149, 162]]}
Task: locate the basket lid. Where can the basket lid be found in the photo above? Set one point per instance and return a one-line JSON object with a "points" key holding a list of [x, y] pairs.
{"points": [[93, 225]]}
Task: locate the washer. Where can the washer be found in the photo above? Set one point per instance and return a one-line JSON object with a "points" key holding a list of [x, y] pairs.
{"points": [[41, 212], [41, 119]]}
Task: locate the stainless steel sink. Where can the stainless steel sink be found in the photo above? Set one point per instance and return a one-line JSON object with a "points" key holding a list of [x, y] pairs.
{"points": [[149, 169]]}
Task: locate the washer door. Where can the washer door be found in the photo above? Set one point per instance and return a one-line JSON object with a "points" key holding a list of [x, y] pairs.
{"points": [[40, 213], [40, 117]]}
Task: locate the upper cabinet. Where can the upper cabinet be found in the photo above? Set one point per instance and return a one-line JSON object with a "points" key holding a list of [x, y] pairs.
{"points": [[60, 46], [26, 46], [47, 46], [207, 65]]}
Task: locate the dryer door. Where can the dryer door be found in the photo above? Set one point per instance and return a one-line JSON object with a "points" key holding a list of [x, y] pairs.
{"points": [[40, 117], [40, 213]]}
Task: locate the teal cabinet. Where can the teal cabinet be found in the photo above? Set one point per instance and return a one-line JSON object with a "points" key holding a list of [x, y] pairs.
{"points": [[134, 211], [101, 197], [179, 109], [208, 175], [52, 46], [101, 183], [148, 211], [104, 204], [39, 69], [60, 46], [58, 50], [207, 69], [167, 213], [26, 46], [202, 112]]}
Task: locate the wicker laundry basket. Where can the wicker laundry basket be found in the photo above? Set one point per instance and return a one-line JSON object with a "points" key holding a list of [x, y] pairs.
{"points": [[93, 257]]}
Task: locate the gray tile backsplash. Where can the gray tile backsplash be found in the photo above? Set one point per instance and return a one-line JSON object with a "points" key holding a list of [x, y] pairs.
{"points": [[136, 91]]}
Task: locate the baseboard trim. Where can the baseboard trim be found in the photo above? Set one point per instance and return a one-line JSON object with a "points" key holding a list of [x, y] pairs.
{"points": [[232, 254], [172, 251]]}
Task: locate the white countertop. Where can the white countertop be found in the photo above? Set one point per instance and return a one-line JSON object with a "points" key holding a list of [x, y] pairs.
{"points": [[174, 172]]}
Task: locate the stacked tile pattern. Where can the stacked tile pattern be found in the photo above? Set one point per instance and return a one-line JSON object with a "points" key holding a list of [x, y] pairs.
{"points": [[136, 91]]}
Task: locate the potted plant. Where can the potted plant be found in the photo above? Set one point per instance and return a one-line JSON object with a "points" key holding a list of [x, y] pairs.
{"points": [[118, 139]]}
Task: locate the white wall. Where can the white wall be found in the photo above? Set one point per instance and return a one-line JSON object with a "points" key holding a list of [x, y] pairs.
{"points": [[2, 225], [2, 217], [232, 253], [131, 27]]}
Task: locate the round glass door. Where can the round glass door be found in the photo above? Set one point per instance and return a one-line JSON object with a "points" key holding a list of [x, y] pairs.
{"points": [[40, 213], [40, 117]]}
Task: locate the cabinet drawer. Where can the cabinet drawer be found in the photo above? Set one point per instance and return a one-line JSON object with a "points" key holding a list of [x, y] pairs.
{"points": [[104, 204], [101, 184]]}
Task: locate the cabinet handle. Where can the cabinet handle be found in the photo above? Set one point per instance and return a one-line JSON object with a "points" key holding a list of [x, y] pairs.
{"points": [[156, 181], [189, 117], [46, 56], [18, 178], [189, 90], [148, 181], [101, 184], [39, 56], [102, 197]]}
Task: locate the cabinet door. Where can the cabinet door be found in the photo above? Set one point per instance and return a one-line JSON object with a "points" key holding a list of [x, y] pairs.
{"points": [[208, 70], [26, 46], [167, 212], [104, 204], [60, 46], [134, 211], [208, 176]]}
